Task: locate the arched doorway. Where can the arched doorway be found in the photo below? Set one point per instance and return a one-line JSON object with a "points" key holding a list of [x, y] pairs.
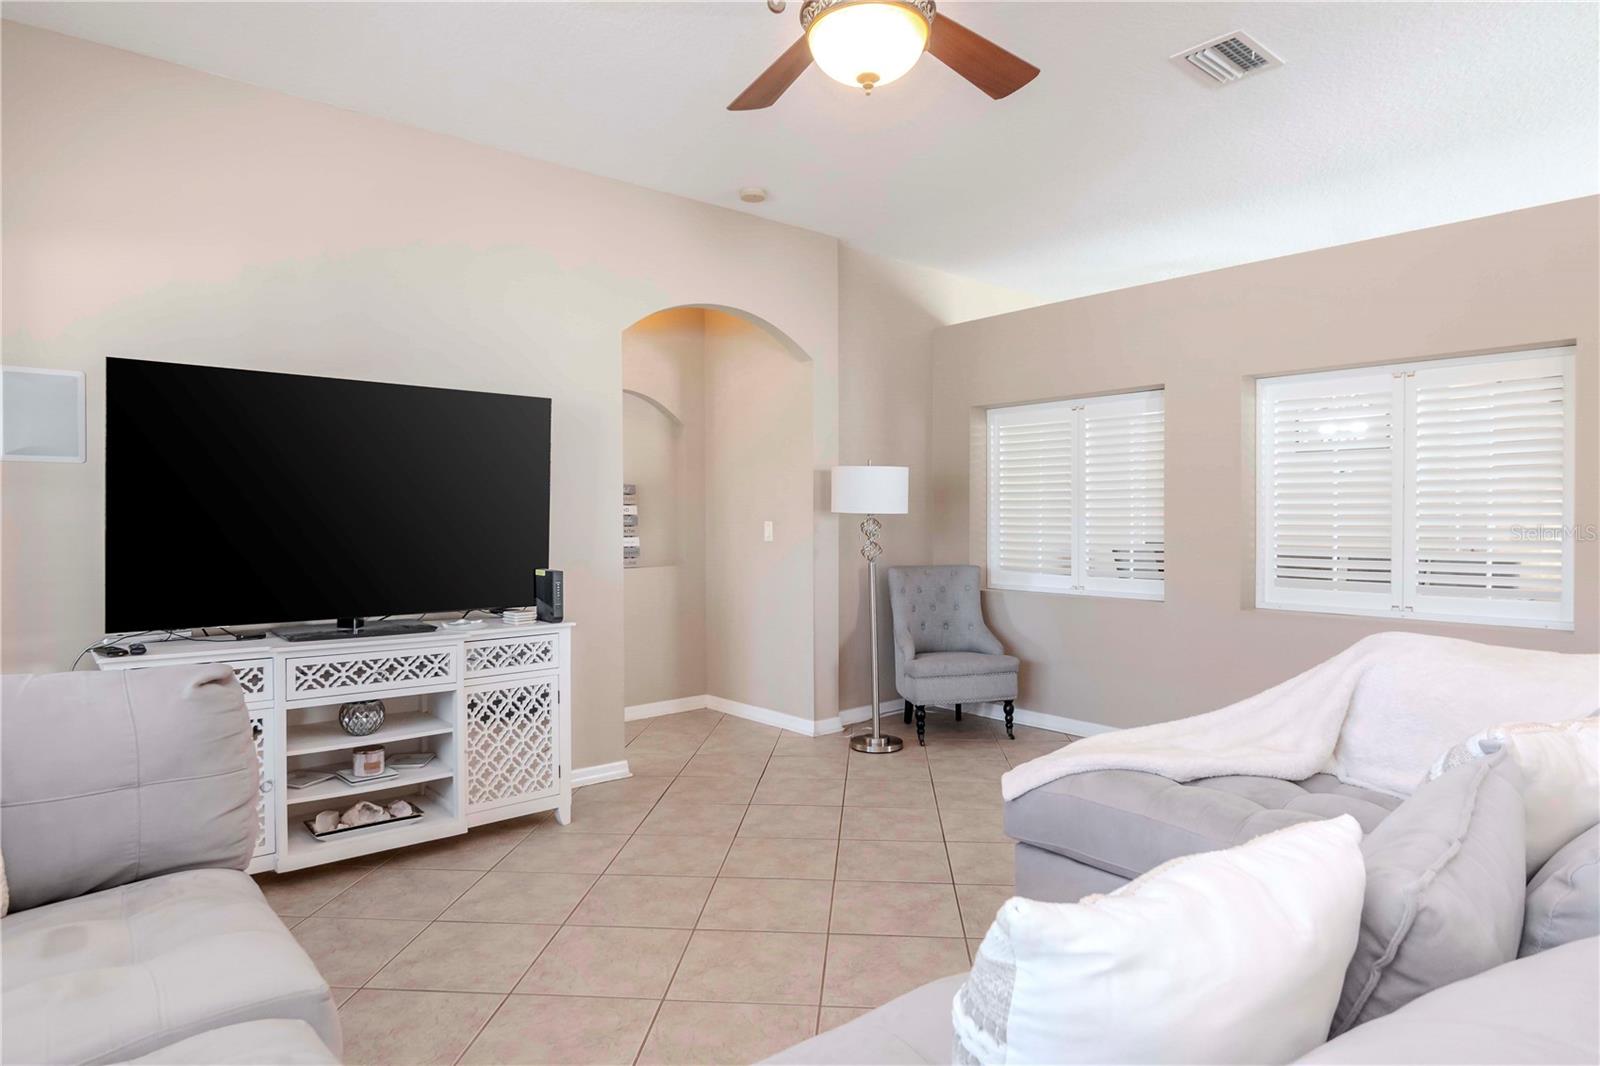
{"points": [[718, 583]]}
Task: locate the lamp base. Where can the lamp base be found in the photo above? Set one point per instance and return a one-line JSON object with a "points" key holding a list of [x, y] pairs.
{"points": [[879, 745]]}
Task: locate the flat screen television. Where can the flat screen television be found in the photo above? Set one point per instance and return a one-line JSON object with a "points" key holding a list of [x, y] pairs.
{"points": [[238, 497]]}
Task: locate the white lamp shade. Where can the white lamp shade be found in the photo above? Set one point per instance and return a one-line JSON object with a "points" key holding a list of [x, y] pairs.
{"points": [[871, 489]]}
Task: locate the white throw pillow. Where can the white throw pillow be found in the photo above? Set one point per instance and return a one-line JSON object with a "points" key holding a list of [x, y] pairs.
{"points": [[1226, 956], [1560, 765]]}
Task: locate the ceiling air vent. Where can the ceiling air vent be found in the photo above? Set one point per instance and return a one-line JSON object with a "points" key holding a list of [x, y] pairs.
{"points": [[1224, 60]]}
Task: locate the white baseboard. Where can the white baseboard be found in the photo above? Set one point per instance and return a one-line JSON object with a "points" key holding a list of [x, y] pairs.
{"points": [[806, 727], [894, 709], [606, 771], [656, 710]]}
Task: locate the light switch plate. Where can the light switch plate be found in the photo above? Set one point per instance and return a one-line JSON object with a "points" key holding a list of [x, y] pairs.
{"points": [[766, 532]]}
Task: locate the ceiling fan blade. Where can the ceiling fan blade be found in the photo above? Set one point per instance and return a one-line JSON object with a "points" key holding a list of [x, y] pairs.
{"points": [[978, 59], [765, 90]]}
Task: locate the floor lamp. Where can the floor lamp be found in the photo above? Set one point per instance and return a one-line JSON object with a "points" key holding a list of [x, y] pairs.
{"points": [[871, 491]]}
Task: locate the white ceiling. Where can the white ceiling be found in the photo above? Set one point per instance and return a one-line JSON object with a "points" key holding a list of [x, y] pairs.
{"points": [[1113, 168]]}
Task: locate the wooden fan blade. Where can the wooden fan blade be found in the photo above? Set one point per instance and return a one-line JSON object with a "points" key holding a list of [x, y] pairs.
{"points": [[978, 59], [765, 90]]}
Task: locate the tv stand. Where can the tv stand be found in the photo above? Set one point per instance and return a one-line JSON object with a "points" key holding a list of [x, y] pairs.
{"points": [[352, 629]]}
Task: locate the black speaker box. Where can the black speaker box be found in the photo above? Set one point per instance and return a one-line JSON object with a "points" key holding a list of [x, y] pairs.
{"points": [[549, 590]]}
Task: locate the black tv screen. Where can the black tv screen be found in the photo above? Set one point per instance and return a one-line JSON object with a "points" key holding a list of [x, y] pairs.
{"points": [[236, 497]]}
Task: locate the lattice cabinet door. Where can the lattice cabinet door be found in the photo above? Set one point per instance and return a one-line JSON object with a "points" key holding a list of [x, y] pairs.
{"points": [[266, 837], [512, 744]]}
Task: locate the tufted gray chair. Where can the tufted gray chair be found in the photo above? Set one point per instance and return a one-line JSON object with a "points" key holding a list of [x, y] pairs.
{"points": [[943, 652]]}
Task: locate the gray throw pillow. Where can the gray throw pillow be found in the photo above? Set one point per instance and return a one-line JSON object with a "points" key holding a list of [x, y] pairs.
{"points": [[1564, 896], [1445, 884]]}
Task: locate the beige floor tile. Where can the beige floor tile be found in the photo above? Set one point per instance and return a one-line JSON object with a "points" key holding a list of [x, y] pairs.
{"points": [[640, 788], [680, 818], [868, 971], [911, 761], [476, 849], [512, 896], [672, 856], [807, 767], [978, 906], [569, 853], [1018, 753], [348, 951], [982, 825], [735, 790], [982, 864], [655, 763], [702, 719], [861, 791], [957, 757], [724, 1033], [799, 792], [745, 967], [563, 1029], [603, 961], [663, 742], [341, 994], [987, 772], [809, 858], [793, 744], [725, 764], [646, 902], [401, 892], [633, 729], [833, 1017], [972, 949], [968, 793], [764, 820], [942, 727], [603, 816], [768, 904], [891, 823], [393, 1028], [302, 892], [465, 957], [878, 908], [893, 860]]}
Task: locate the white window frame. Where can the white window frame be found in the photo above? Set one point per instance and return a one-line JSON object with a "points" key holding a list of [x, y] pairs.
{"points": [[1403, 599], [1077, 583]]}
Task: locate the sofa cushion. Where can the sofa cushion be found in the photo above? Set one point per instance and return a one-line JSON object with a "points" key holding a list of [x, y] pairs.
{"points": [[1541, 1009], [280, 1041], [125, 972], [1126, 822], [1445, 888], [914, 1030], [959, 664], [1563, 902]]}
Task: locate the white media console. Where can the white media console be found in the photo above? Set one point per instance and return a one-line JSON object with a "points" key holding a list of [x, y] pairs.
{"points": [[492, 702]]}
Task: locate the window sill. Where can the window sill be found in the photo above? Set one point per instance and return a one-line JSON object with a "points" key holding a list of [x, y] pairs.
{"points": [[1154, 597], [1420, 616]]}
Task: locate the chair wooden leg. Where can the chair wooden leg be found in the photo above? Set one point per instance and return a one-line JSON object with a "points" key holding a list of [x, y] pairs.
{"points": [[922, 724], [908, 712], [1011, 708], [958, 712]]}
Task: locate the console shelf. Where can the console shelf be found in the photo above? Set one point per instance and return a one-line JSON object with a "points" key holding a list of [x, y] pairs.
{"points": [[492, 702], [317, 737]]}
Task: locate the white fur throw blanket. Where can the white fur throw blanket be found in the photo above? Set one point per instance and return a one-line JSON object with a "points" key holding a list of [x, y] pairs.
{"points": [[1376, 715]]}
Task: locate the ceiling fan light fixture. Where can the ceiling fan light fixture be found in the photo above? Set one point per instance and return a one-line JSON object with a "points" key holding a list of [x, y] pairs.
{"points": [[867, 43]]}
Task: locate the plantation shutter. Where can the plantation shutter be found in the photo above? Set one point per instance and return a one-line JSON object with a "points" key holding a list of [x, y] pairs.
{"points": [[1076, 496], [1327, 499], [1124, 440], [1488, 490], [1032, 495]]}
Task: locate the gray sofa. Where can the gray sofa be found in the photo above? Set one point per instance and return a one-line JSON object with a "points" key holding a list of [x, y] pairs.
{"points": [[127, 817], [1094, 832]]}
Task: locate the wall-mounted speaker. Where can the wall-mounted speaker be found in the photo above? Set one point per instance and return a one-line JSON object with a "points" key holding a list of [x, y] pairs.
{"points": [[42, 415]]}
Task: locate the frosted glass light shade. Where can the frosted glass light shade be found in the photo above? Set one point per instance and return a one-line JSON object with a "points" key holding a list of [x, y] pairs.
{"points": [[871, 489], [867, 44]]}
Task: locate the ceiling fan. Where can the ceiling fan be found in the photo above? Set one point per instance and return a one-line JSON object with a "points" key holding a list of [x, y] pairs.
{"points": [[868, 43]]}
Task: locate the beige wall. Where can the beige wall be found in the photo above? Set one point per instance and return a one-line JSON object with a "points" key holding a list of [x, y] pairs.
{"points": [[888, 312], [153, 211], [1529, 278]]}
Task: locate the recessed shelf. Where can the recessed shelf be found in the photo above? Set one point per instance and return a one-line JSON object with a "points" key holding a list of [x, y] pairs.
{"points": [[317, 737], [337, 789]]}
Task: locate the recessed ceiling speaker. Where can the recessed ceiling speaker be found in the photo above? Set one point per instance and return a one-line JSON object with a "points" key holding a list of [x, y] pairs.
{"points": [[42, 415]]}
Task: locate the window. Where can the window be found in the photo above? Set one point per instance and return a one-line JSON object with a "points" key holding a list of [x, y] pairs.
{"points": [[1075, 496], [1435, 490]]}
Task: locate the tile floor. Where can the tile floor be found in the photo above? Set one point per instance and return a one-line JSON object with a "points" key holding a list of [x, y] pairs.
{"points": [[745, 889]]}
